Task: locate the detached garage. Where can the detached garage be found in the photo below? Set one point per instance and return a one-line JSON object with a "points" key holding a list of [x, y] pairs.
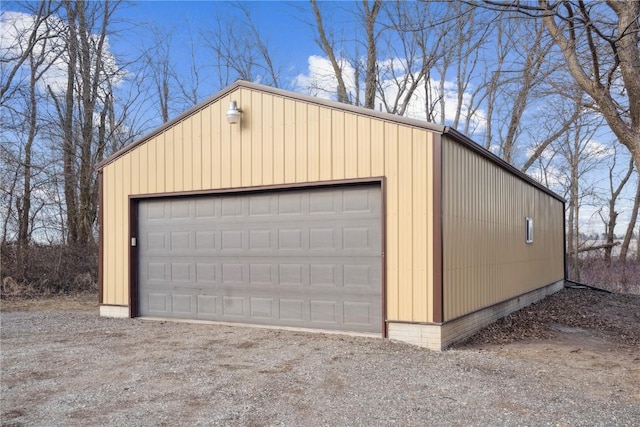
{"points": [[265, 207]]}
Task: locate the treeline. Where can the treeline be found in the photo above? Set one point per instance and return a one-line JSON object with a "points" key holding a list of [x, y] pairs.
{"points": [[552, 88]]}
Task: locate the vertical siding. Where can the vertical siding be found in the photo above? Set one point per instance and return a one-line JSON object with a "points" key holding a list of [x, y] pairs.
{"points": [[283, 140], [486, 259]]}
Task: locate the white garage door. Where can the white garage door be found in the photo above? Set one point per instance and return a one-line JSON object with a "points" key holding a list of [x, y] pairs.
{"points": [[302, 258]]}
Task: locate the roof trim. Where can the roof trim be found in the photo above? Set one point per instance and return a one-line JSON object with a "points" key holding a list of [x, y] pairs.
{"points": [[278, 92], [471, 144], [455, 135]]}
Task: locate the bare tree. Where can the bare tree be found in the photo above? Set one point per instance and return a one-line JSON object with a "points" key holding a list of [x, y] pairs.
{"points": [[599, 42], [327, 44], [161, 70], [240, 51], [25, 43], [626, 241], [413, 43], [611, 218], [87, 25], [34, 53], [575, 158]]}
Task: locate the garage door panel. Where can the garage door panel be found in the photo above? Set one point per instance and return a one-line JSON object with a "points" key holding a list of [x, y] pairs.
{"points": [[324, 312], [307, 258], [207, 306], [358, 313], [183, 303]]}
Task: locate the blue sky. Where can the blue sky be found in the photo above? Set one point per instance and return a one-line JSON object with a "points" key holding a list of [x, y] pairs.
{"points": [[289, 38]]}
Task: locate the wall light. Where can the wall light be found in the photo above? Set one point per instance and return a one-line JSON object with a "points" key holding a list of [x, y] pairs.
{"points": [[234, 113]]}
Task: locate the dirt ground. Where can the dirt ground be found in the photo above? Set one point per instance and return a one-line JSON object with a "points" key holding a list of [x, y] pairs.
{"points": [[571, 359]]}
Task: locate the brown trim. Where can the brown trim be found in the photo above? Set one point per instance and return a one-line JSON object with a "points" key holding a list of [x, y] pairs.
{"points": [[564, 242], [114, 305], [383, 214], [134, 201], [412, 322], [100, 237], [133, 257], [469, 143], [261, 188], [438, 294]]}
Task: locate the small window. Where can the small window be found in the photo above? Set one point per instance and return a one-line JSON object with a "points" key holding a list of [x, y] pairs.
{"points": [[529, 230]]}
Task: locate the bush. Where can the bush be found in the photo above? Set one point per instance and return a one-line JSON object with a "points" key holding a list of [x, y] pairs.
{"points": [[49, 270]]}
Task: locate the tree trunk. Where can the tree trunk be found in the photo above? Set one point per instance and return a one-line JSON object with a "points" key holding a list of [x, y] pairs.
{"points": [[69, 145], [624, 248]]}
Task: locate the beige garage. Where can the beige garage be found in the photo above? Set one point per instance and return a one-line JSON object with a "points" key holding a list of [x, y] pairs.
{"points": [[318, 215]]}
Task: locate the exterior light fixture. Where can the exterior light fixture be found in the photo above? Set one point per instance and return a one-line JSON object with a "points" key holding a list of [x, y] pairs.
{"points": [[234, 113]]}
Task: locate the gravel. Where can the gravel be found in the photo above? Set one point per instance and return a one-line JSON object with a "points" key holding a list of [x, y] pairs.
{"points": [[75, 368]]}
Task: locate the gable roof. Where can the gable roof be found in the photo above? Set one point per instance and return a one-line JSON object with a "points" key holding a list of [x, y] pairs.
{"points": [[440, 129]]}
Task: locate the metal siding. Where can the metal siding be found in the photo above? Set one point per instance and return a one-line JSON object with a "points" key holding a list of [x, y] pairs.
{"points": [[393, 240], [256, 140], [337, 144], [143, 173], [115, 233], [486, 259], [351, 145], [195, 139], [376, 147], [245, 141], [289, 136], [301, 143], [283, 140], [207, 158], [225, 150], [151, 164], [188, 146], [109, 238], [419, 226], [405, 219], [158, 145], [363, 140], [313, 142], [279, 164], [325, 132]]}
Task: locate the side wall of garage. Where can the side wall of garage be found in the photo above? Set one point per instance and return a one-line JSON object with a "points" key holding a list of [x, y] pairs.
{"points": [[486, 259], [283, 140]]}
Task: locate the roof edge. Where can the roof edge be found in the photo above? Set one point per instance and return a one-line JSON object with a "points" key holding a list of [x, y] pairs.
{"points": [[456, 135], [278, 92], [167, 125], [471, 144]]}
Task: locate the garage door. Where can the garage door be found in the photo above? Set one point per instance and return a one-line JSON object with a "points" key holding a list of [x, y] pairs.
{"points": [[308, 258]]}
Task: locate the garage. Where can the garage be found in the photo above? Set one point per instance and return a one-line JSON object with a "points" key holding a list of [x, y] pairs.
{"points": [[266, 207], [309, 258]]}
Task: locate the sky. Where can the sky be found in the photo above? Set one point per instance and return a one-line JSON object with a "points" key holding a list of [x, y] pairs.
{"points": [[283, 26], [288, 36]]}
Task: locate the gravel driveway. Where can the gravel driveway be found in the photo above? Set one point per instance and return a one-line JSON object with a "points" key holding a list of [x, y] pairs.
{"points": [[76, 368]]}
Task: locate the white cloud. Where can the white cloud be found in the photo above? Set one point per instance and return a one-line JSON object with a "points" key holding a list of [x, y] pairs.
{"points": [[16, 30], [596, 150], [319, 80], [551, 176]]}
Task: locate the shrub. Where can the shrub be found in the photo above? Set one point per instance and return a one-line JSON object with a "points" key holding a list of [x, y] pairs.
{"points": [[618, 277], [49, 270]]}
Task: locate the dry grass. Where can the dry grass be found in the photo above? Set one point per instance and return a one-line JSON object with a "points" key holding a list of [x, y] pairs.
{"points": [[87, 302]]}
